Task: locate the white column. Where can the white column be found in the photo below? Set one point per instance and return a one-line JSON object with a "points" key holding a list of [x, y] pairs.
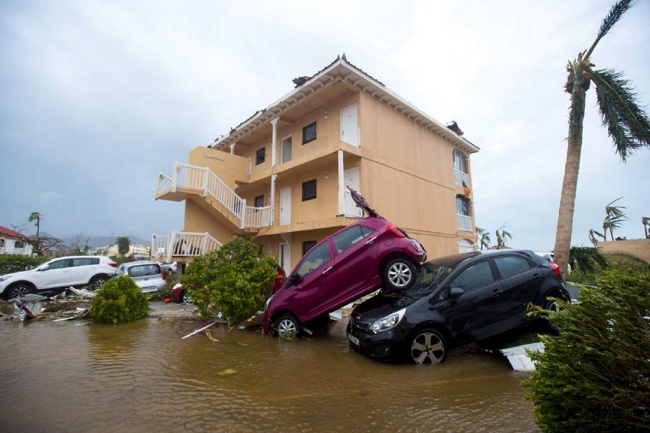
{"points": [[274, 122], [341, 183], [272, 200]]}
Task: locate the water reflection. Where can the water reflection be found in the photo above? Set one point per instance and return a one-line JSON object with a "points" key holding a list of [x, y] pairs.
{"points": [[139, 377]]}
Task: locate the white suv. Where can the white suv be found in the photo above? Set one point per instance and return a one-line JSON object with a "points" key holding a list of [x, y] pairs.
{"points": [[57, 274], [149, 276]]}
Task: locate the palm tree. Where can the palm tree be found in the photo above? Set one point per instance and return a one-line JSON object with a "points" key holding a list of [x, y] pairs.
{"points": [[123, 245], [483, 238], [627, 124], [35, 216], [614, 217]]}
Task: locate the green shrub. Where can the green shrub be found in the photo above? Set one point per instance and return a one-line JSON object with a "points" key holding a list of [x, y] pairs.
{"points": [[10, 263], [596, 375], [119, 300], [234, 280]]}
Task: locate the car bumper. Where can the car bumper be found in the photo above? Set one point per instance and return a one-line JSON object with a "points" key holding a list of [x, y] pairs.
{"points": [[384, 346]]}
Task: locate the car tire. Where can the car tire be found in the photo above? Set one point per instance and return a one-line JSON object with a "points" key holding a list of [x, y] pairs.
{"points": [[427, 346], [18, 290], [185, 298], [399, 274], [287, 326], [97, 281], [553, 307]]}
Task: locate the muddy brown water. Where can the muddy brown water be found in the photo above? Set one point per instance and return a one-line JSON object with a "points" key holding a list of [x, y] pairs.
{"points": [[77, 376]]}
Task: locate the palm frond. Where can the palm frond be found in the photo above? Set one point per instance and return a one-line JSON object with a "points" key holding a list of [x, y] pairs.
{"points": [[625, 120], [615, 14]]}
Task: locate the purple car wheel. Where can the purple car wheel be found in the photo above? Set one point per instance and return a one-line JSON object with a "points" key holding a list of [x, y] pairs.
{"points": [[399, 274]]}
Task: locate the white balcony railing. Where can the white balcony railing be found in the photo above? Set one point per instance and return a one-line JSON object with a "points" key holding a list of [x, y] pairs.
{"points": [[350, 208], [182, 244], [203, 180], [460, 177], [465, 223]]}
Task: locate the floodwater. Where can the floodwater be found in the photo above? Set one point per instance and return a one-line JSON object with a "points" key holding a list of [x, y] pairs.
{"points": [[79, 376]]}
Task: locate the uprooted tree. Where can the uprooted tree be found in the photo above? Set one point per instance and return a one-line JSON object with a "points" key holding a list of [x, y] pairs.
{"points": [[234, 280]]}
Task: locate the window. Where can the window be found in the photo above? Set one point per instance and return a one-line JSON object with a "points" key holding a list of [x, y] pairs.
{"points": [[19, 244], [285, 149], [259, 201], [309, 133], [85, 261], [315, 258], [309, 190], [260, 156], [462, 205], [307, 245], [59, 264], [2, 243], [347, 238], [474, 277], [511, 265], [460, 161]]}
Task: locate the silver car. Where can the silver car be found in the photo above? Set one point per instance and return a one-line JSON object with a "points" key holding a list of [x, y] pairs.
{"points": [[148, 275]]}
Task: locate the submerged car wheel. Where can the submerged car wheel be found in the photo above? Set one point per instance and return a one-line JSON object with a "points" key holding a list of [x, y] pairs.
{"points": [[553, 306], [287, 326], [428, 346], [20, 289], [399, 274]]}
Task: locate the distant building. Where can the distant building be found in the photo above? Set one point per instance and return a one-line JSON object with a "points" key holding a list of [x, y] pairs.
{"points": [[281, 176], [12, 242], [136, 251]]}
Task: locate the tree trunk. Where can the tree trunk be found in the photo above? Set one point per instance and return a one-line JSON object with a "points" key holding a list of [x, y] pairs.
{"points": [[572, 166]]}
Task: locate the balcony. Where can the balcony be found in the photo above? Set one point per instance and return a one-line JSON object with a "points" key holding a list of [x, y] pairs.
{"points": [[465, 223], [181, 245], [191, 179]]}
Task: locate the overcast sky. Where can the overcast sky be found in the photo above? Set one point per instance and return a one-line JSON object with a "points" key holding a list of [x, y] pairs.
{"points": [[98, 97]]}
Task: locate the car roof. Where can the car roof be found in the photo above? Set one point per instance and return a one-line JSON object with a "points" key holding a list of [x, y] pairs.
{"points": [[454, 260]]}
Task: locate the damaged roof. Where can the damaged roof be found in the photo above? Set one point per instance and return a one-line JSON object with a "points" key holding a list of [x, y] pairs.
{"points": [[342, 71]]}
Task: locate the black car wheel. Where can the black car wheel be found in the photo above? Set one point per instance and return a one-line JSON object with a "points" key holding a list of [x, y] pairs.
{"points": [[553, 306], [20, 289], [428, 346], [399, 274], [287, 326], [97, 281]]}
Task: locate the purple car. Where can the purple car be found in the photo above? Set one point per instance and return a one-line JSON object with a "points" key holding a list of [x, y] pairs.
{"points": [[345, 266]]}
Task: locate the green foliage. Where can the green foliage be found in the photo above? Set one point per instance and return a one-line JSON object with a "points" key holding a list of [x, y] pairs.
{"points": [[596, 375], [234, 280], [10, 263], [119, 300]]}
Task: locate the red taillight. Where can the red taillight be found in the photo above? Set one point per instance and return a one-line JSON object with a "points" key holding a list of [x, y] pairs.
{"points": [[112, 264], [164, 275], [393, 228], [556, 269]]}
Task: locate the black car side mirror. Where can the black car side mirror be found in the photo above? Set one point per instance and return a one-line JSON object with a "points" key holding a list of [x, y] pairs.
{"points": [[293, 279], [456, 292]]}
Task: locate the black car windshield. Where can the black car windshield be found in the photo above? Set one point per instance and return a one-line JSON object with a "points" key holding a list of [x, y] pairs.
{"points": [[429, 276]]}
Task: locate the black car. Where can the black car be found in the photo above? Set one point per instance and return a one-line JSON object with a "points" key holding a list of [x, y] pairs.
{"points": [[455, 300]]}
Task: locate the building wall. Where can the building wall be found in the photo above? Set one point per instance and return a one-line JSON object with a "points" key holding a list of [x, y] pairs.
{"points": [[639, 248], [406, 174]]}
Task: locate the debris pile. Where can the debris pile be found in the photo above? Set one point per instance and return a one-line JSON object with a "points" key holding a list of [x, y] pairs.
{"points": [[68, 305]]}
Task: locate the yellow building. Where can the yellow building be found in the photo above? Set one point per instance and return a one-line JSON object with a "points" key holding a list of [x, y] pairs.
{"points": [[281, 176]]}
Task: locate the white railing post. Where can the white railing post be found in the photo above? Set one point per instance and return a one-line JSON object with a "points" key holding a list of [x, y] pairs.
{"points": [[206, 176], [175, 176], [243, 213]]}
